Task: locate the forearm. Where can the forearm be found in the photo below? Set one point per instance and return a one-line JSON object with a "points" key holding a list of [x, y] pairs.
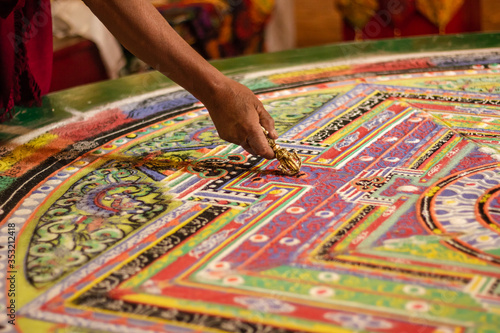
{"points": [[236, 112], [145, 33]]}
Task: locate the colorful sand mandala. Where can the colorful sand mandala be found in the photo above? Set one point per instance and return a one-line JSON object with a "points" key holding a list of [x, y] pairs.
{"points": [[393, 224]]}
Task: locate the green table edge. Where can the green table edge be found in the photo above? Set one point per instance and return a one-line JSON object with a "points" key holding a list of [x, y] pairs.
{"points": [[57, 106]]}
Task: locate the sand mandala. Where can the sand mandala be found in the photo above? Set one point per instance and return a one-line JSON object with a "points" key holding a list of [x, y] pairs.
{"points": [[140, 219]]}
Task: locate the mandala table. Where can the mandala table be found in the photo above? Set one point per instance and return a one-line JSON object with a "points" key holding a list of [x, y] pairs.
{"points": [[115, 222]]}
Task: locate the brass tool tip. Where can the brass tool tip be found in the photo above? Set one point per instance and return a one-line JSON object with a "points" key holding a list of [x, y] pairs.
{"points": [[290, 162]]}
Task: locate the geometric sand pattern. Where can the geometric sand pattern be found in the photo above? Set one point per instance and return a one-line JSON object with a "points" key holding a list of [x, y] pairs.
{"points": [[393, 224]]}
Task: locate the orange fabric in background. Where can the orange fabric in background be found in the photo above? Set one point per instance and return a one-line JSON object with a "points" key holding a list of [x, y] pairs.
{"points": [[220, 28]]}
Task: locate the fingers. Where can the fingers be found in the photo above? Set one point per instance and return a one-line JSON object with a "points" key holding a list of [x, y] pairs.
{"points": [[257, 143], [249, 149], [238, 117], [267, 122]]}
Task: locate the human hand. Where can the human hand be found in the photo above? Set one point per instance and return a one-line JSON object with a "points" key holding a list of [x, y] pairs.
{"points": [[234, 109], [238, 116]]}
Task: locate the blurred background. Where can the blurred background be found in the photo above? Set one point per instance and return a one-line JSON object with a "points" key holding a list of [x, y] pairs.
{"points": [[85, 52]]}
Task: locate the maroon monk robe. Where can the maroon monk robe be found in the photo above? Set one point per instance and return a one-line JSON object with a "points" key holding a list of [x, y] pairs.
{"points": [[25, 53]]}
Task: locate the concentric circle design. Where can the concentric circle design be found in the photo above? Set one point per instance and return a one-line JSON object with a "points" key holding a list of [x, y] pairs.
{"points": [[466, 205]]}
